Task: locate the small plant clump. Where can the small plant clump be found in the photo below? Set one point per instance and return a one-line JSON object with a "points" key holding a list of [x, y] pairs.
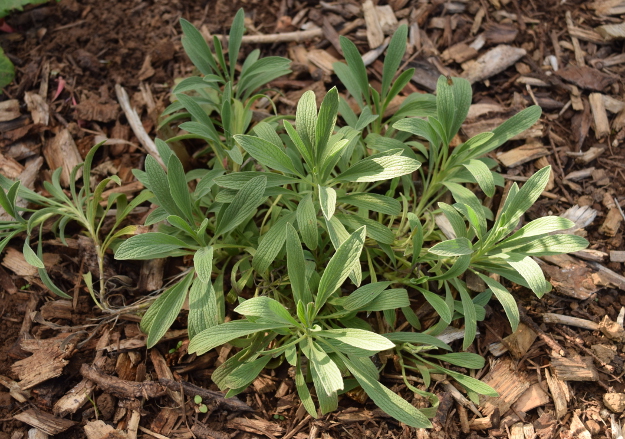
{"points": [[315, 230]]}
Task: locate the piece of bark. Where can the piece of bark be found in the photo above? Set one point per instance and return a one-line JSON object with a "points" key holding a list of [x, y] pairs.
{"points": [[163, 372], [591, 255], [125, 368], [617, 256], [122, 388], [587, 156], [559, 393], [387, 19], [481, 423], [57, 309], [459, 53], [48, 360], [165, 421], [608, 7], [322, 59], [38, 107], [533, 397], [43, 421], [139, 342], [264, 384], [606, 277], [599, 114], [576, 281], [10, 168], [203, 432], [577, 429], [612, 105], [574, 368], [520, 341], [579, 174], [14, 260], [61, 151], [585, 77], [500, 33], [9, 110], [492, 62], [482, 109], [522, 154], [375, 35], [612, 222], [560, 319], [231, 404], [257, 426], [516, 431], [508, 382], [611, 32], [100, 430], [545, 425], [19, 394]]}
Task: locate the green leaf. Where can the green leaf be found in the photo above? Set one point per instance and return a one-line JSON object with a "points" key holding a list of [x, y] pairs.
{"points": [[159, 186], [505, 298], [345, 75], [178, 187], [339, 267], [338, 235], [365, 118], [243, 375], [510, 128], [553, 245], [375, 230], [394, 55], [454, 218], [303, 392], [149, 246], [249, 197], [196, 48], [419, 127], [169, 308], [296, 266], [266, 153], [439, 305], [363, 295], [453, 247], [328, 373], [237, 180], [30, 256], [326, 119], [234, 42], [482, 175], [374, 202], [307, 222], [358, 338], [540, 226], [270, 244], [470, 317], [380, 167], [7, 70], [462, 359], [203, 263], [531, 272], [416, 338], [391, 403], [463, 195], [203, 311], [296, 138], [388, 300], [267, 308], [217, 335], [356, 67], [306, 123], [327, 199], [525, 198]]}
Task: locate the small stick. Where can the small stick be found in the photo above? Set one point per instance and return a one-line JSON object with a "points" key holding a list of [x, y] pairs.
{"points": [[136, 125], [546, 338], [285, 37], [232, 404], [122, 388]]}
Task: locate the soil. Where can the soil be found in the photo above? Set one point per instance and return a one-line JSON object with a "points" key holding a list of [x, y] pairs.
{"points": [[86, 47]]}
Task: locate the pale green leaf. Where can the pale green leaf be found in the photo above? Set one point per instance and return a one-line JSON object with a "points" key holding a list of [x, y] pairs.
{"points": [[249, 197], [267, 308], [307, 222], [203, 311], [270, 244], [266, 153], [217, 335], [296, 266], [151, 245], [482, 175], [169, 310], [358, 338], [203, 263], [306, 122], [380, 167], [363, 295], [505, 298], [374, 202], [416, 338], [453, 247], [327, 199]]}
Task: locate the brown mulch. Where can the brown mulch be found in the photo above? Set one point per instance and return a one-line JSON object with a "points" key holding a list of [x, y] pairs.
{"points": [[552, 377]]}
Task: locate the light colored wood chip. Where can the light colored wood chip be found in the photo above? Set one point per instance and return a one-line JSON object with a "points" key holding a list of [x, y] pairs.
{"points": [[322, 59], [520, 341], [516, 431], [255, 426], [43, 421], [533, 397], [459, 53], [599, 114], [612, 32], [580, 174], [388, 21], [612, 222], [578, 430], [492, 62], [9, 110], [617, 256], [100, 430], [558, 393], [38, 107], [608, 7], [522, 154], [375, 35], [10, 168], [508, 382], [561, 319], [574, 368], [61, 152]]}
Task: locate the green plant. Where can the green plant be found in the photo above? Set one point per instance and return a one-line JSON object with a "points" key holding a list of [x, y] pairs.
{"points": [[197, 399], [315, 204], [83, 206], [219, 103]]}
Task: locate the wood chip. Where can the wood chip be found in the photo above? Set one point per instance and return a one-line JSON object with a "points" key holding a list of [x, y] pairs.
{"points": [[608, 7], [492, 62], [100, 430], [612, 330], [43, 421], [578, 430], [617, 256], [522, 154], [9, 110], [533, 397], [612, 222], [574, 368], [459, 53], [508, 382], [38, 107], [255, 426], [559, 393], [375, 35], [489, 124], [586, 77], [388, 21], [599, 114], [569, 321], [322, 59], [48, 360], [519, 342], [61, 151], [612, 32], [575, 281]]}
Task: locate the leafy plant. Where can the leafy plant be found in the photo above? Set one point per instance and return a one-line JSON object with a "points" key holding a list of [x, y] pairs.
{"points": [[83, 206], [219, 103]]}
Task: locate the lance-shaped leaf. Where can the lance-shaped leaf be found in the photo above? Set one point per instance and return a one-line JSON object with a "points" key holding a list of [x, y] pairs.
{"points": [[307, 222], [266, 153], [149, 246], [244, 203], [217, 335], [203, 311], [505, 298], [358, 338], [453, 247], [383, 166], [306, 121], [203, 263], [327, 199], [267, 308], [482, 175], [296, 266], [339, 267]]}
